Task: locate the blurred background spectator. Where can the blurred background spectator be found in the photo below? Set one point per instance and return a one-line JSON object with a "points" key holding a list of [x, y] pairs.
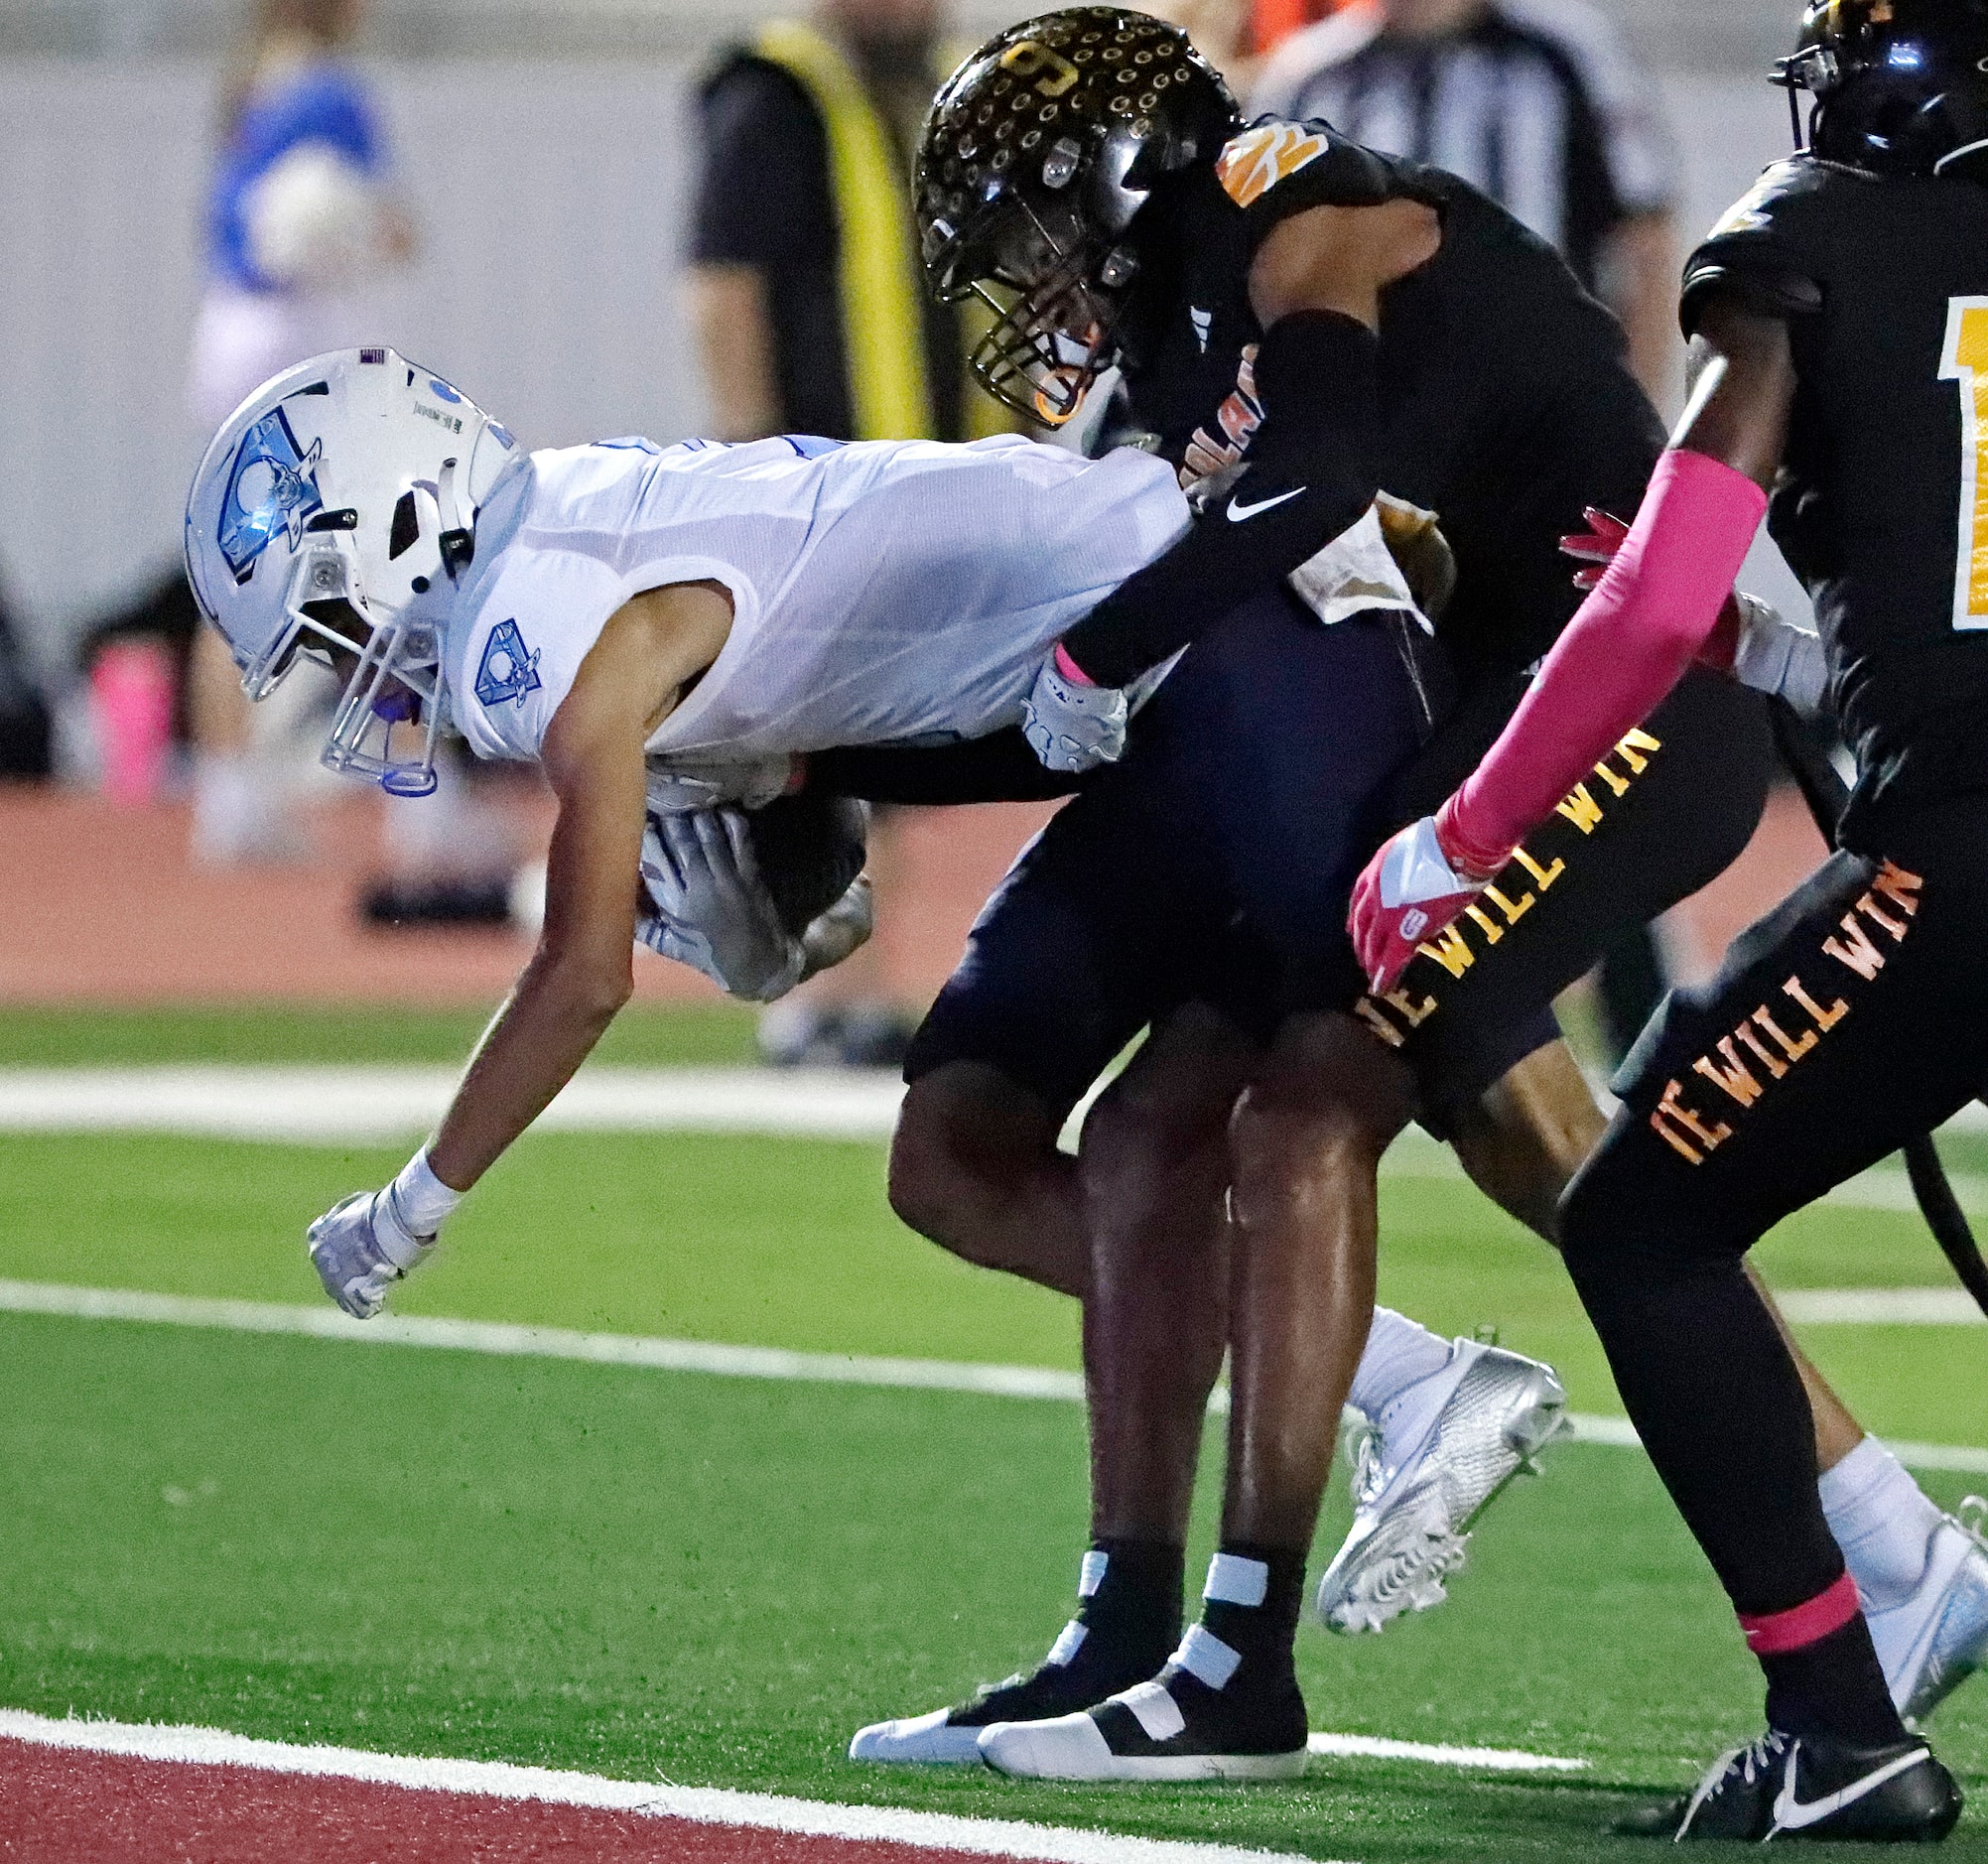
{"points": [[1537, 103], [812, 317]]}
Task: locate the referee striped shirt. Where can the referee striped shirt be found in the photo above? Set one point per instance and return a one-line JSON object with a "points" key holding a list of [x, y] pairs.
{"points": [[1536, 104]]}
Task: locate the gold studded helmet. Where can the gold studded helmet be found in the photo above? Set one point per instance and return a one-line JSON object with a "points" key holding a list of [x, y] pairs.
{"points": [[1900, 86], [1038, 153]]}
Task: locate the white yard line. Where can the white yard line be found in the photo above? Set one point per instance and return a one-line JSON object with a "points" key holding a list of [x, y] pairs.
{"points": [[705, 1805], [325, 1322], [694, 1356], [1485, 1760], [313, 1105], [1880, 1307], [345, 1106]]}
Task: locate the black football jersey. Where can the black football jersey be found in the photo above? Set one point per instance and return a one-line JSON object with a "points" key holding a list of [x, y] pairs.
{"points": [[1881, 507], [1506, 400]]}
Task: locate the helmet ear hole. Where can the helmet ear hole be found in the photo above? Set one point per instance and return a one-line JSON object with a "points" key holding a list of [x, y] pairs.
{"points": [[406, 529]]}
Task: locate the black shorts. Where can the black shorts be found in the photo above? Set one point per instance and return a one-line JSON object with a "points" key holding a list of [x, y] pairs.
{"points": [[1851, 1019], [1661, 816], [1213, 865]]}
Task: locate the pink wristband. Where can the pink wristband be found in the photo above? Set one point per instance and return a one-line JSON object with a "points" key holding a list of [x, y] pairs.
{"points": [[1618, 657], [1069, 669]]}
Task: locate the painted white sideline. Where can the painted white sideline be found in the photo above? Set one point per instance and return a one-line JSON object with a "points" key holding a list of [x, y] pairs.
{"points": [[334, 1106], [1880, 1307], [383, 1103], [503, 1340], [705, 1805], [1484, 1760]]}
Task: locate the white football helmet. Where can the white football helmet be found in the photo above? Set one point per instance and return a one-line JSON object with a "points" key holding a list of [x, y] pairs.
{"points": [[331, 515]]}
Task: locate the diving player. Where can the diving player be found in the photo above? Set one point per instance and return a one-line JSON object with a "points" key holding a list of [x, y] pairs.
{"points": [[1839, 326], [664, 631], [1299, 323]]}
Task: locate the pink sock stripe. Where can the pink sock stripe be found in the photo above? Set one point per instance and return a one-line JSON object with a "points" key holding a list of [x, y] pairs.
{"points": [[1069, 669], [1777, 1631]]}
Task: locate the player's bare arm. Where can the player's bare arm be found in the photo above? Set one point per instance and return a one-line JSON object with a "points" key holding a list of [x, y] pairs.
{"points": [[581, 973], [1341, 259], [1742, 391]]}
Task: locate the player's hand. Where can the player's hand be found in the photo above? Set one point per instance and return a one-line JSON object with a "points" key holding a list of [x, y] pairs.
{"points": [[1073, 727], [1596, 546], [1761, 648], [360, 1247], [707, 908], [1410, 890]]}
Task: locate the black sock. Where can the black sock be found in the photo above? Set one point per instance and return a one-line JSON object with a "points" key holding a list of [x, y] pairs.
{"points": [[1133, 1604], [1259, 1591], [1833, 1687]]}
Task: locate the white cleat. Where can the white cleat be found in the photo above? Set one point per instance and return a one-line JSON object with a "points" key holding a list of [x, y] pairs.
{"points": [[918, 1740], [1930, 1643], [1421, 1483]]}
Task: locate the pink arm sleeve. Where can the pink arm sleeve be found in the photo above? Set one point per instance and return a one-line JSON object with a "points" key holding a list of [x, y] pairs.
{"points": [[1630, 643]]}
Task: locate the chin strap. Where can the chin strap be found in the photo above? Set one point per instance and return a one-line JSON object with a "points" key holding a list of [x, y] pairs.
{"points": [[459, 539]]}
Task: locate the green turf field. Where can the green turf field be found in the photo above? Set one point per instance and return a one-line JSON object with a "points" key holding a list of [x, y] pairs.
{"points": [[716, 1580]]}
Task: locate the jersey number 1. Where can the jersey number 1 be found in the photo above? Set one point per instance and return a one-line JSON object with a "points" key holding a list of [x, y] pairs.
{"points": [[1965, 360]]}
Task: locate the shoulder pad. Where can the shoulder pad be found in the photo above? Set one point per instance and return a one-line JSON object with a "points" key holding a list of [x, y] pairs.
{"points": [[1307, 164], [1771, 248]]}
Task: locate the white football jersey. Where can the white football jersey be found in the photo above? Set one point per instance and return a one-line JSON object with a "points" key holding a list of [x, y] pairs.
{"points": [[882, 591]]}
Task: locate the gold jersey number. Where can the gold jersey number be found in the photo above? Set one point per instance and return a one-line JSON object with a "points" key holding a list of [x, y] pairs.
{"points": [[1965, 360]]}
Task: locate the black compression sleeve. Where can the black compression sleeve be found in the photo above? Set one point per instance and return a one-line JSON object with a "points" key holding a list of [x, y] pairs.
{"points": [[1000, 768], [1311, 474]]}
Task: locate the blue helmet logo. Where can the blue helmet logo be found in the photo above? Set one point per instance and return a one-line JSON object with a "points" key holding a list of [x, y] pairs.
{"points": [[272, 490], [509, 670]]}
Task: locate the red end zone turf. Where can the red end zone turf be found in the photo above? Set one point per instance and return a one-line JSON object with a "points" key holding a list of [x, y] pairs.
{"points": [[61, 1806]]}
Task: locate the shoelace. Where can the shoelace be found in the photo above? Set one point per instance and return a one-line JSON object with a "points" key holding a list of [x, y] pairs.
{"points": [[1370, 1467], [1751, 1763], [1972, 1517]]}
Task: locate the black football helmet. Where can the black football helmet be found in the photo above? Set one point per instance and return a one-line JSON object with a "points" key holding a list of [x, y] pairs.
{"points": [[1038, 152], [1901, 87]]}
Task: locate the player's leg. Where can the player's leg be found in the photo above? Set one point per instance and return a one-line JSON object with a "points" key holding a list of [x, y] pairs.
{"points": [[1664, 815], [975, 1168], [1522, 1141], [1438, 1452], [1061, 969], [1155, 1175], [1271, 718], [1846, 1021]]}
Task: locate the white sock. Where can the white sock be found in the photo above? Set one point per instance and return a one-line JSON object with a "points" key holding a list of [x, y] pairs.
{"points": [[1881, 1520], [1399, 1352]]}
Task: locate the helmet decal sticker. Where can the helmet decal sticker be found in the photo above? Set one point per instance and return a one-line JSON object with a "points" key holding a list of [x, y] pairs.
{"points": [[509, 669], [272, 487], [1259, 159]]}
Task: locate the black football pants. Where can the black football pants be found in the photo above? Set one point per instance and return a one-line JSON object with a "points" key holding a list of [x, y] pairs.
{"points": [[1850, 1019]]}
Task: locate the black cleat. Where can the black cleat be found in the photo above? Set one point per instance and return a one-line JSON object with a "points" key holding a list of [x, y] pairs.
{"points": [[1797, 1787], [1081, 1671]]}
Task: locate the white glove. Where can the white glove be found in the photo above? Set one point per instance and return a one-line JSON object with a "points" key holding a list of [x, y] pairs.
{"points": [[1074, 727], [708, 908], [1776, 656], [360, 1247]]}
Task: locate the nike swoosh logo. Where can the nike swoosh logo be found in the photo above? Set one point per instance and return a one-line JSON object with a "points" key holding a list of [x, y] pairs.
{"points": [[1791, 1814], [1237, 512]]}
